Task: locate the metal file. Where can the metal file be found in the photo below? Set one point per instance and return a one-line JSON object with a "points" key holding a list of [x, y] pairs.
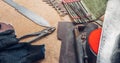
{"points": [[29, 14]]}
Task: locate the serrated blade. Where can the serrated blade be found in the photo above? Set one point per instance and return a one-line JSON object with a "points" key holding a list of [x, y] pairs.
{"points": [[29, 14], [110, 32]]}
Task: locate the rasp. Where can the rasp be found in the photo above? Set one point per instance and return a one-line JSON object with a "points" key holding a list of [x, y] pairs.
{"points": [[110, 33], [29, 14]]}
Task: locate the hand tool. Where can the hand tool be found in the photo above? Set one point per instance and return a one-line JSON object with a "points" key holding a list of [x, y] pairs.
{"points": [[74, 16], [80, 46], [35, 18], [83, 50], [79, 8], [58, 6], [29, 14], [110, 33], [39, 34], [76, 9]]}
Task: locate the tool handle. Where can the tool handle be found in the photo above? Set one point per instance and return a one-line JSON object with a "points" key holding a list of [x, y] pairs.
{"points": [[38, 35], [78, 48]]}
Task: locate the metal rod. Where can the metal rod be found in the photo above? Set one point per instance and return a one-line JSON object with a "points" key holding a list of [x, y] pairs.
{"points": [[80, 21], [77, 12], [70, 12], [75, 8]]}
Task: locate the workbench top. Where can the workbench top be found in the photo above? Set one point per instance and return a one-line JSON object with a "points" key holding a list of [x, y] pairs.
{"points": [[24, 26]]}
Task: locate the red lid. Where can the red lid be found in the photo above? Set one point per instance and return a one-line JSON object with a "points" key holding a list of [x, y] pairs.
{"points": [[94, 39]]}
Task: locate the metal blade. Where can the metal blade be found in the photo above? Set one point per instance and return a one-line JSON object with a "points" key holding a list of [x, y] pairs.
{"points": [[29, 14], [110, 32]]}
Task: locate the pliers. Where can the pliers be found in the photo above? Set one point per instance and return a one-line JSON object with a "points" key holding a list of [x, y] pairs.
{"points": [[39, 34]]}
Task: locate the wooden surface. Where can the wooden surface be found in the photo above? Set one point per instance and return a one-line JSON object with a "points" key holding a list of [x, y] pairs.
{"points": [[24, 26]]}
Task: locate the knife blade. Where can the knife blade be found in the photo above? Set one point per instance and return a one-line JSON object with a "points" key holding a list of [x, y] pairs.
{"points": [[29, 14], [110, 32]]}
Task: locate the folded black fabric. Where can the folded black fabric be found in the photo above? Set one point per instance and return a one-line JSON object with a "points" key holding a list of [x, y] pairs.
{"points": [[11, 51]]}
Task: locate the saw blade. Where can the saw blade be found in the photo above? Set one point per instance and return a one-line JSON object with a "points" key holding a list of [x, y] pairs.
{"points": [[29, 14], [110, 32]]}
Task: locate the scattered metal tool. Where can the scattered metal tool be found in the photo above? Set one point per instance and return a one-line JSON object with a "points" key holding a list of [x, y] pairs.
{"points": [[29, 14], [110, 34], [35, 18], [39, 35], [58, 6], [77, 11]]}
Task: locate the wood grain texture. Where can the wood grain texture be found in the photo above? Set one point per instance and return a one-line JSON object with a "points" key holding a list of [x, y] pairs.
{"points": [[24, 26]]}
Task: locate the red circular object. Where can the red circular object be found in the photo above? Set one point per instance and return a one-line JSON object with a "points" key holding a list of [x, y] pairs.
{"points": [[94, 39]]}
